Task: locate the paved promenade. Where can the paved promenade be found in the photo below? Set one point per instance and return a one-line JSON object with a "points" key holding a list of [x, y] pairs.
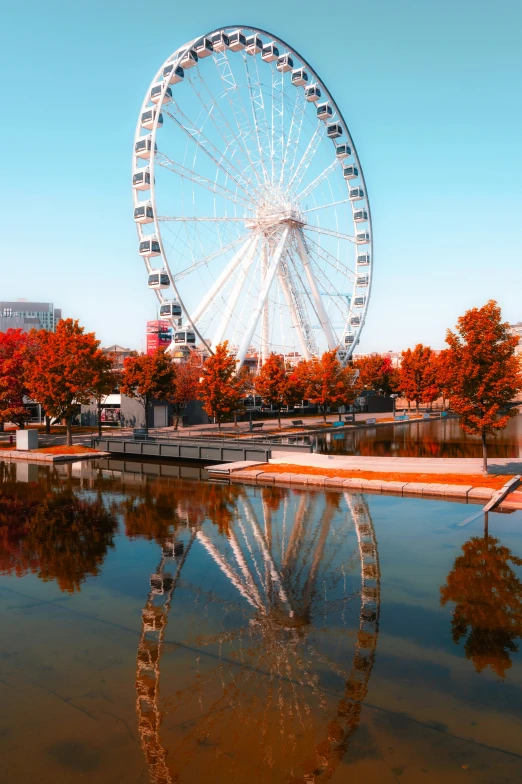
{"points": [[407, 465]]}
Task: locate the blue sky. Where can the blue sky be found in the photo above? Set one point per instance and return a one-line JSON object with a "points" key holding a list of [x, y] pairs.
{"points": [[431, 92]]}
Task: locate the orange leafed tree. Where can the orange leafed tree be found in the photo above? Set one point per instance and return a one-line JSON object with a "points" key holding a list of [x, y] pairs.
{"points": [[483, 372], [326, 382], [60, 368], [418, 380], [220, 389], [148, 377], [12, 382], [270, 383], [186, 384], [377, 373], [488, 603]]}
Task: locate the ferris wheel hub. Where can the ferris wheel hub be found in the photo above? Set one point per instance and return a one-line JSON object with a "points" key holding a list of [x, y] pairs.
{"points": [[274, 209]]}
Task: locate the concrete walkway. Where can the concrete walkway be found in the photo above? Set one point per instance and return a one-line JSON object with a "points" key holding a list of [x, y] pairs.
{"points": [[407, 465]]}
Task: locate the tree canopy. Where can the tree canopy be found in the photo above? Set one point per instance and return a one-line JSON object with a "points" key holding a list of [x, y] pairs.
{"points": [[482, 371]]}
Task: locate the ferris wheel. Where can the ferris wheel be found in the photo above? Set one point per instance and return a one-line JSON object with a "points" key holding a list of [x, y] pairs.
{"points": [[250, 203]]}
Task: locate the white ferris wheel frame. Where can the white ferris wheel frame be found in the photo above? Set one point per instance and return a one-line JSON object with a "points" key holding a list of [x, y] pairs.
{"points": [[275, 266]]}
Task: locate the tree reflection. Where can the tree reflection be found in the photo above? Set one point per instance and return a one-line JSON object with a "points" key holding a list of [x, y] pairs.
{"points": [[51, 531], [157, 510], [488, 598]]}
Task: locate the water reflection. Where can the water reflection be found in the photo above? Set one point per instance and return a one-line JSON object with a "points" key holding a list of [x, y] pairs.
{"points": [[48, 529], [488, 602], [436, 438], [265, 661]]}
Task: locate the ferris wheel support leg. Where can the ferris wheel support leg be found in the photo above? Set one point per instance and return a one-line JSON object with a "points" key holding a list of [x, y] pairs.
{"points": [[265, 326], [232, 300], [221, 280], [321, 312], [293, 314], [273, 264]]}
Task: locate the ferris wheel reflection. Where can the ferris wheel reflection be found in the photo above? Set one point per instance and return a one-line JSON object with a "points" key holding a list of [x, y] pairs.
{"points": [[266, 693]]}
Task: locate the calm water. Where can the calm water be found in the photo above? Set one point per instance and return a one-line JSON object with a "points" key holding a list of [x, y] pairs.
{"points": [[162, 628], [436, 438]]}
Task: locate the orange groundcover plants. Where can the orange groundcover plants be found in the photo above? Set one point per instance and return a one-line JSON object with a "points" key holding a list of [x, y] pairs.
{"points": [[476, 480]]}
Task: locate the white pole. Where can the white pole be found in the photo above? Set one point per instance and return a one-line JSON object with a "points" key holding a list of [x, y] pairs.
{"points": [[221, 280], [263, 294], [293, 314], [265, 326], [232, 300], [321, 312]]}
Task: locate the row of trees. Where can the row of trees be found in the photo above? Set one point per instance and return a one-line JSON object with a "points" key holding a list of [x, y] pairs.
{"points": [[479, 373]]}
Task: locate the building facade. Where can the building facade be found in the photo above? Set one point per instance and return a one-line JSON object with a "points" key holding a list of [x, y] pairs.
{"points": [[22, 314]]}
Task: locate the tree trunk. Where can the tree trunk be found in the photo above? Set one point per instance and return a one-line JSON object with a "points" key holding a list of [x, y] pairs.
{"points": [[235, 419], [21, 424], [2, 427], [146, 408], [324, 414], [99, 419], [486, 526], [484, 454], [68, 425], [47, 425], [176, 421], [409, 407], [219, 425], [279, 417]]}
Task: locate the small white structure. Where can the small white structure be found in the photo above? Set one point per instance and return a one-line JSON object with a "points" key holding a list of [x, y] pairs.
{"points": [[27, 439]]}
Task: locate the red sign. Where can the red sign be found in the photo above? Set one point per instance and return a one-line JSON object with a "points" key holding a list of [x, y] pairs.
{"points": [[159, 333]]}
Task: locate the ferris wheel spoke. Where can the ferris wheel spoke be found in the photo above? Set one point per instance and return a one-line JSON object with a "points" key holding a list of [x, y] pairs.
{"points": [[326, 206], [204, 144], [232, 141], [257, 104], [330, 232], [277, 124], [313, 145], [244, 126], [182, 171], [189, 219], [321, 312], [318, 180], [200, 262], [222, 279], [294, 135], [231, 302], [297, 316], [318, 251], [226, 568], [267, 282]]}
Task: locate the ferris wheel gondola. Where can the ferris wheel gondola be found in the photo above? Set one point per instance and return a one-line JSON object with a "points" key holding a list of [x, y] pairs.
{"points": [[256, 212]]}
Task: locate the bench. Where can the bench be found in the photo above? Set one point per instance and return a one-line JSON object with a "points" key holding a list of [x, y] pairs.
{"points": [[297, 423], [139, 434], [256, 425], [350, 418], [426, 416], [371, 421], [401, 417], [338, 424]]}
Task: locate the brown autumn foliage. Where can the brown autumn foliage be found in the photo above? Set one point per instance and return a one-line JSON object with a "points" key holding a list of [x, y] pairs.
{"points": [[488, 603], [220, 389], [418, 379], [482, 372], [148, 377], [60, 367]]}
